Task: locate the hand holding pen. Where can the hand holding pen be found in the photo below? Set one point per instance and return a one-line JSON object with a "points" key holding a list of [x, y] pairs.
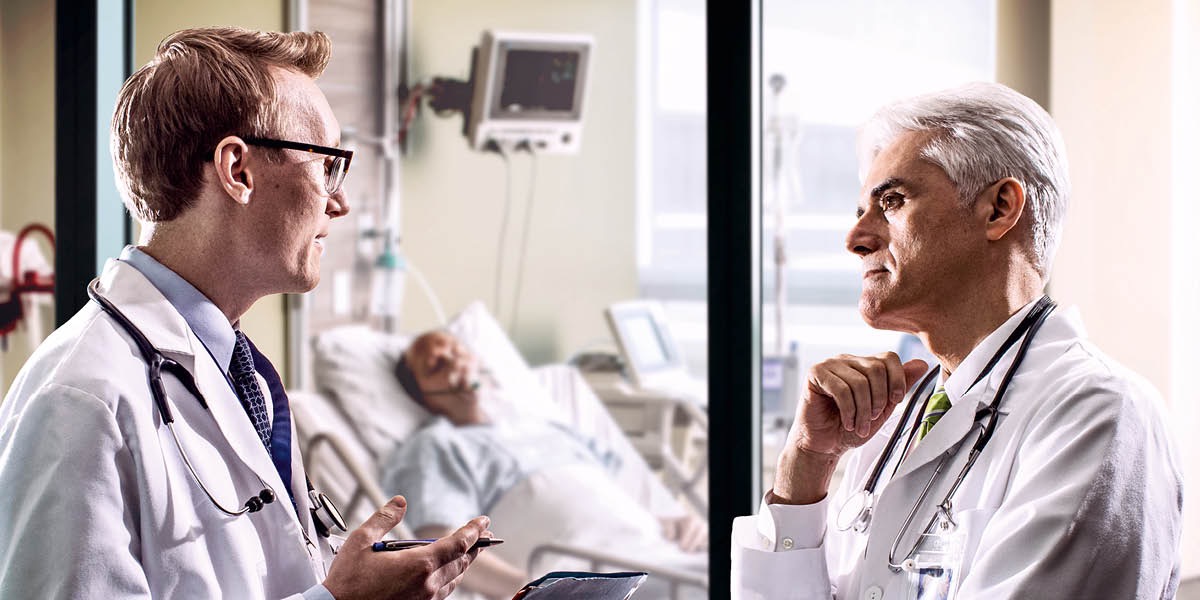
{"points": [[426, 572], [388, 545]]}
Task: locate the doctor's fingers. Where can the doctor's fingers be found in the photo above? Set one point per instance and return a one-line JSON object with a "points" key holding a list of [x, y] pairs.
{"points": [[450, 575], [458, 544], [896, 375], [851, 390], [452, 555], [379, 523], [886, 376]]}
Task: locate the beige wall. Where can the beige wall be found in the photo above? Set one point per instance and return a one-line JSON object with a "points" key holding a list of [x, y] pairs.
{"points": [[1185, 333], [156, 19], [581, 243], [26, 135], [1112, 91]]}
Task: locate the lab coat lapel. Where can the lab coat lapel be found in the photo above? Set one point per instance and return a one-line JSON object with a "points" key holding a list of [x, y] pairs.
{"points": [[167, 330], [145, 306], [227, 410], [949, 431]]}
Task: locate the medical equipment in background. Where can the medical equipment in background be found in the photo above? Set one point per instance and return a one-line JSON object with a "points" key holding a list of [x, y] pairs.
{"points": [[780, 388], [526, 92], [857, 511], [25, 280], [781, 372], [652, 394], [529, 89]]}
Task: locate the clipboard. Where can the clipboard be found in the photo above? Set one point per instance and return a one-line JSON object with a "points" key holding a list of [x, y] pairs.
{"points": [[578, 585]]}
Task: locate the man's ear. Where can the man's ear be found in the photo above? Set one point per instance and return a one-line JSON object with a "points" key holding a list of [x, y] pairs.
{"points": [[1001, 204], [232, 173]]}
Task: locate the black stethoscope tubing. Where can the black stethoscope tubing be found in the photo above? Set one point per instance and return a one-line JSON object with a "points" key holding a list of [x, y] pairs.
{"points": [[156, 363], [1030, 324]]}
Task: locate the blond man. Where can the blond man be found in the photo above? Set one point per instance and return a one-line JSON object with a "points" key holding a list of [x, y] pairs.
{"points": [[146, 447]]}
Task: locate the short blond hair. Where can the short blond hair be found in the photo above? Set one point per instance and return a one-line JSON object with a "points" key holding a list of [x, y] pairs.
{"points": [[201, 86]]}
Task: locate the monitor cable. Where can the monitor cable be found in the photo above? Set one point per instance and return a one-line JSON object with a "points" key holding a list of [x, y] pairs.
{"points": [[516, 297], [492, 146]]}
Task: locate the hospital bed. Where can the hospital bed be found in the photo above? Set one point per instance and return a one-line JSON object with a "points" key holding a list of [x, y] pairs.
{"points": [[358, 413]]}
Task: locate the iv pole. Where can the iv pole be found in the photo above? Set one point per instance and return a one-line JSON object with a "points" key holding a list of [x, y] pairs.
{"points": [[784, 134]]}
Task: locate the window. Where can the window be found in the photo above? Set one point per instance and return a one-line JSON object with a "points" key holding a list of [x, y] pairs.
{"points": [[826, 68]]}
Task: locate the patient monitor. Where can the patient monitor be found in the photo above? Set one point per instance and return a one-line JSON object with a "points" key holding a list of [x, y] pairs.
{"points": [[652, 358], [529, 90]]}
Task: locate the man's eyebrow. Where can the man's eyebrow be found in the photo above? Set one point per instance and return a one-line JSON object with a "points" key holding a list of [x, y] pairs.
{"points": [[887, 184]]}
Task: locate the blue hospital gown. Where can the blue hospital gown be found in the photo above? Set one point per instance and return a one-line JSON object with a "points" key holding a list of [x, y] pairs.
{"points": [[451, 474]]}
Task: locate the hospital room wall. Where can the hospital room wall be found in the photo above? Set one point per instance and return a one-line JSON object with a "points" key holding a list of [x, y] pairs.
{"points": [[581, 239], [155, 20], [26, 136], [1123, 90]]}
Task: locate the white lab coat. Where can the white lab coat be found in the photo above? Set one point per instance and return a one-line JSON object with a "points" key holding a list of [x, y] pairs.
{"points": [[1078, 494], [95, 501]]}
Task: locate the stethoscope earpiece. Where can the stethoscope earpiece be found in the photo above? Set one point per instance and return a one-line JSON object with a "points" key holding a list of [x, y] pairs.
{"points": [[256, 503]]}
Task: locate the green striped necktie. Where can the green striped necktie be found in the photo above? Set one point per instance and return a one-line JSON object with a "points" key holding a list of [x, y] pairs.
{"points": [[939, 403]]}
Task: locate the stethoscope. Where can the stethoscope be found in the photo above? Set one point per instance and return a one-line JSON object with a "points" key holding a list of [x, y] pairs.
{"points": [[857, 511], [156, 365]]}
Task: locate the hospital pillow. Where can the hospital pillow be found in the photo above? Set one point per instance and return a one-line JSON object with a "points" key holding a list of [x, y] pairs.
{"points": [[354, 365]]}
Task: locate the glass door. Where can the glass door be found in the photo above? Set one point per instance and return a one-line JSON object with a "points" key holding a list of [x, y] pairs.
{"points": [[826, 68]]}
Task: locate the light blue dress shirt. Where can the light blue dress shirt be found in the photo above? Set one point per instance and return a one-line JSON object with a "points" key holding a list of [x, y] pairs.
{"points": [[206, 321]]}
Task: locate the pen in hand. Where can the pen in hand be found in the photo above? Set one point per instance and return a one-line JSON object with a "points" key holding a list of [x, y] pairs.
{"points": [[387, 545]]}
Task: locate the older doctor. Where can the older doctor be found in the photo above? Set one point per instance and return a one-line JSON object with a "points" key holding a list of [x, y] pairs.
{"points": [[1074, 490], [226, 153]]}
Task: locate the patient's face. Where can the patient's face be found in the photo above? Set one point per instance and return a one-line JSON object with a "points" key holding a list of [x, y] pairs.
{"points": [[445, 371]]}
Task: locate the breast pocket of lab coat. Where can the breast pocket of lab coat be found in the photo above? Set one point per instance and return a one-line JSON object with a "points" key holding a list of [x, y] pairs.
{"points": [[198, 437], [973, 522]]}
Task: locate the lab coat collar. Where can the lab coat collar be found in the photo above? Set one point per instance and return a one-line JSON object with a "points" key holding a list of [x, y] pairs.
{"points": [[150, 311], [966, 400], [134, 295], [959, 382]]}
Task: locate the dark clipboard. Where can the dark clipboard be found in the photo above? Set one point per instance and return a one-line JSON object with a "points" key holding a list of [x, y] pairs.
{"points": [[572, 585]]}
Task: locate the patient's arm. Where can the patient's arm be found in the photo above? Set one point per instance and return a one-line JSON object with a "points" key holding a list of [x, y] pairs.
{"points": [[489, 575], [689, 532]]}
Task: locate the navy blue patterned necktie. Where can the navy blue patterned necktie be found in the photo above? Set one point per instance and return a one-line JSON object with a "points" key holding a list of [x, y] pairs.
{"points": [[241, 370]]}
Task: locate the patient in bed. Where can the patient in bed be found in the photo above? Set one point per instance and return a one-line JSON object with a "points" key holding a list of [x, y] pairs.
{"points": [[539, 481]]}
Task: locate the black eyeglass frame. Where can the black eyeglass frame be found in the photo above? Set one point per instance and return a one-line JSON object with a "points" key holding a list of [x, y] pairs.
{"points": [[343, 153]]}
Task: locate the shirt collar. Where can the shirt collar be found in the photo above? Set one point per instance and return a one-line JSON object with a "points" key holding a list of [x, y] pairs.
{"points": [[969, 369], [202, 316]]}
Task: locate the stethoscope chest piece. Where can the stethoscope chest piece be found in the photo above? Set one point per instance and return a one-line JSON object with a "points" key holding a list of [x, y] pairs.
{"points": [[856, 512]]}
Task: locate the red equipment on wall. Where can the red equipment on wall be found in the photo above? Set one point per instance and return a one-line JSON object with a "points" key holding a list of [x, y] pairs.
{"points": [[28, 282]]}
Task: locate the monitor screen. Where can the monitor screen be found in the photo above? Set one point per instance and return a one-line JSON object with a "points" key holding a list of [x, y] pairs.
{"points": [[540, 82], [644, 342]]}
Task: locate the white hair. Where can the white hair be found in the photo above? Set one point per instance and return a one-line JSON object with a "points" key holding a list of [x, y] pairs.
{"points": [[982, 133]]}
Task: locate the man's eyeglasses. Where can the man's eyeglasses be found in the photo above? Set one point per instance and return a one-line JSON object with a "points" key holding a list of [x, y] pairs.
{"points": [[336, 166]]}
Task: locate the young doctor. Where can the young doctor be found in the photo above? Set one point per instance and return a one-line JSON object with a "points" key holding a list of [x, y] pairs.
{"points": [[146, 447], [1030, 465]]}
